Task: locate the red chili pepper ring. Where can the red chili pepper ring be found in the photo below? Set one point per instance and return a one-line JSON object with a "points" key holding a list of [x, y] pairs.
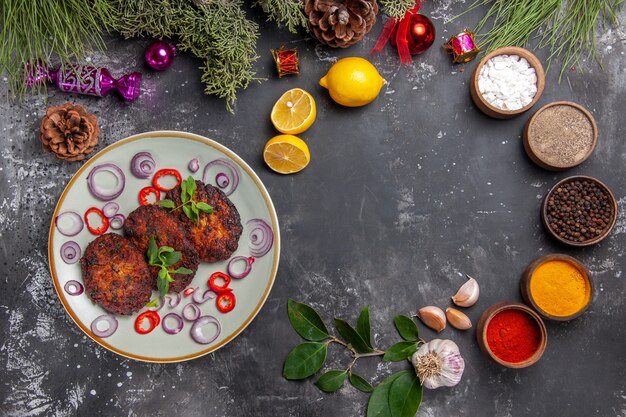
{"points": [[226, 302], [163, 173], [105, 222], [215, 287], [153, 321], [145, 193]]}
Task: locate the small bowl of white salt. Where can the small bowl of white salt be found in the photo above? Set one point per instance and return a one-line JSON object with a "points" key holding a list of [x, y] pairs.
{"points": [[507, 82]]}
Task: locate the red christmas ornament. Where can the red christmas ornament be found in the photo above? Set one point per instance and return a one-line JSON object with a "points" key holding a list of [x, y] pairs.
{"points": [[421, 34], [413, 34]]}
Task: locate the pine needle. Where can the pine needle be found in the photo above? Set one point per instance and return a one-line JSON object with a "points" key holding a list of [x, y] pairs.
{"points": [[287, 12]]}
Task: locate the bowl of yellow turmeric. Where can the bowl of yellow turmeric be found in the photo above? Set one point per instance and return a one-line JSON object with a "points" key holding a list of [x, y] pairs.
{"points": [[557, 286]]}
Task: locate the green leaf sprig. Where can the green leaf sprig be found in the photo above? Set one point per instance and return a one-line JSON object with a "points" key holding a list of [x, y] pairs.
{"points": [[190, 207], [164, 257], [400, 394]]}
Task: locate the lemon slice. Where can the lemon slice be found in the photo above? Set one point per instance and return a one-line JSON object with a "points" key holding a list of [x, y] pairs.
{"points": [[294, 112], [286, 154]]}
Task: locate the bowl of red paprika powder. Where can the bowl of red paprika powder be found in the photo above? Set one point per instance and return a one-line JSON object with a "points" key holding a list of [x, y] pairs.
{"points": [[512, 334]]}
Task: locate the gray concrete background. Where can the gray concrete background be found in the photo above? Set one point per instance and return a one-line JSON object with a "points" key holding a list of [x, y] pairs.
{"points": [[402, 198]]}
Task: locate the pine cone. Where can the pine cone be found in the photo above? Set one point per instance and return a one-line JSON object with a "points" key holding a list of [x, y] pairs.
{"points": [[340, 23], [69, 132]]}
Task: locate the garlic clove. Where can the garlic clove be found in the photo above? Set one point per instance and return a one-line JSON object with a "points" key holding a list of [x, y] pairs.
{"points": [[468, 294], [458, 319], [433, 317]]}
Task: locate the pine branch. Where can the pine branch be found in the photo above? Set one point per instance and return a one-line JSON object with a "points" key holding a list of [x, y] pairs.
{"points": [[396, 8], [46, 31], [216, 32], [287, 12]]}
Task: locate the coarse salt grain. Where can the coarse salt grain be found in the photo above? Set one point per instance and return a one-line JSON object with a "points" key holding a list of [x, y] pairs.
{"points": [[507, 82]]}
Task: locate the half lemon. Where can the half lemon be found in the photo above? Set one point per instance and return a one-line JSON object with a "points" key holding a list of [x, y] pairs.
{"points": [[286, 154], [294, 112]]}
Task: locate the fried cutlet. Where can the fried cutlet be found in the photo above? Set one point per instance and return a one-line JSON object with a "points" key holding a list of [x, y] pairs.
{"points": [[216, 236], [116, 274], [167, 230]]}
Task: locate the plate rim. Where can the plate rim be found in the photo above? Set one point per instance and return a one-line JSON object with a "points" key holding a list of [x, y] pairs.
{"points": [[156, 135]]}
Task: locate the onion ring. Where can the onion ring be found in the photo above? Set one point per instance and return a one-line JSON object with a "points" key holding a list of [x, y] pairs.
{"points": [[196, 329], [70, 252], [233, 178], [261, 237], [110, 209], [239, 275], [106, 194], [172, 299], [191, 312], [222, 180], [74, 228], [77, 287], [142, 165], [200, 298], [109, 318], [172, 330], [117, 221]]}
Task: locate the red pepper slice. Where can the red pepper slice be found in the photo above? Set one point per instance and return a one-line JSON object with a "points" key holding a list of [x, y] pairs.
{"points": [[215, 287], [165, 172], [153, 320], [188, 291], [226, 302], [105, 222], [145, 192]]}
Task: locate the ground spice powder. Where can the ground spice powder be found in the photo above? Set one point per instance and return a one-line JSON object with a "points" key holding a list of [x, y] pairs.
{"points": [[559, 288], [561, 135], [513, 335]]}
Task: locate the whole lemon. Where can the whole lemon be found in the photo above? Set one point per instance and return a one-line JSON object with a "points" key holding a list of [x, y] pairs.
{"points": [[353, 82]]}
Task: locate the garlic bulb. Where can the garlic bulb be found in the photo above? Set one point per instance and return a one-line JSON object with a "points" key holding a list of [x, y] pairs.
{"points": [[467, 295], [438, 363], [433, 317]]}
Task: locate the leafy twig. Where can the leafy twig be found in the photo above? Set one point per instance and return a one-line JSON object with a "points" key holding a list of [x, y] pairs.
{"points": [[398, 394], [287, 12], [397, 8], [190, 207], [163, 257]]}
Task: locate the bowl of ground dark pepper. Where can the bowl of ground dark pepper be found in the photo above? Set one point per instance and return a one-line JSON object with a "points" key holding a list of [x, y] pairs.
{"points": [[579, 211], [560, 135]]}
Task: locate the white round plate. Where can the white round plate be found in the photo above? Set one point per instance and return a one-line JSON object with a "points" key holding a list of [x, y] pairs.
{"points": [[169, 149]]}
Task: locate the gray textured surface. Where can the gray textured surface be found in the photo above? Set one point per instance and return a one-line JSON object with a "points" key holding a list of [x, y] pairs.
{"points": [[402, 197]]}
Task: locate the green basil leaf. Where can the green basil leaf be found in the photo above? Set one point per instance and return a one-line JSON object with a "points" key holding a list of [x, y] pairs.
{"points": [[195, 215], [194, 208], [360, 383], [331, 381], [162, 284], [406, 327], [169, 278], [378, 404], [184, 197], [188, 212], [171, 258], [165, 249], [191, 187], [182, 270], [405, 395], [166, 203], [363, 327], [306, 322], [153, 252], [400, 351], [153, 303], [351, 336], [305, 360], [202, 206]]}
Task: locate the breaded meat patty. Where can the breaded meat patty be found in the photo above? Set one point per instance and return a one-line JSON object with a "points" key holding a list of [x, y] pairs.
{"points": [[116, 274], [167, 230], [216, 236]]}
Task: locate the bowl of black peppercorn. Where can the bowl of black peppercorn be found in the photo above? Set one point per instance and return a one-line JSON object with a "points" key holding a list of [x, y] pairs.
{"points": [[579, 211]]}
